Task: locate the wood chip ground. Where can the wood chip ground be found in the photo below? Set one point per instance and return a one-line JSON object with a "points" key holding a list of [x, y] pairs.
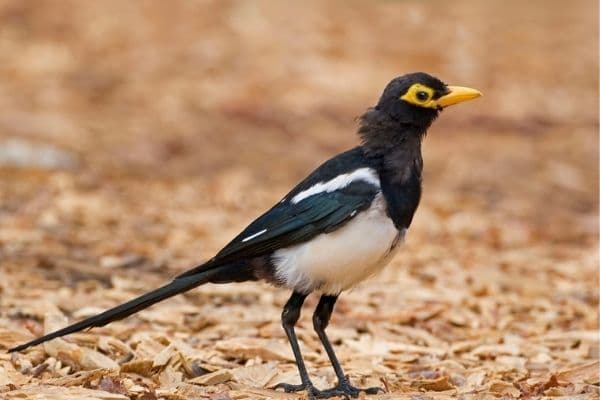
{"points": [[137, 138]]}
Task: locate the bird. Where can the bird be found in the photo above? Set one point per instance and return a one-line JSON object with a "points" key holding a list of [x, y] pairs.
{"points": [[340, 225]]}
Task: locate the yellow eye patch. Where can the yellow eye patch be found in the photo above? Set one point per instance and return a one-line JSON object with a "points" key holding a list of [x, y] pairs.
{"points": [[420, 95]]}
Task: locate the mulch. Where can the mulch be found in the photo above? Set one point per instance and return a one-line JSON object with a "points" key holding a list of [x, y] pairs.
{"points": [[125, 159]]}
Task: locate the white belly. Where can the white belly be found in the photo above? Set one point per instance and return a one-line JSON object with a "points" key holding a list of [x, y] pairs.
{"points": [[336, 261]]}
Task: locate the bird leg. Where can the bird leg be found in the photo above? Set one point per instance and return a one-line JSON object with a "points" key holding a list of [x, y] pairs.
{"points": [[320, 321], [289, 317]]}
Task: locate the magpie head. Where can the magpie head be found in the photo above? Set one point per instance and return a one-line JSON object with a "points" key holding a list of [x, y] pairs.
{"points": [[416, 99], [407, 107]]}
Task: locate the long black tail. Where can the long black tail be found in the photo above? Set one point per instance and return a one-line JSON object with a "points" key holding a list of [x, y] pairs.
{"points": [[178, 285]]}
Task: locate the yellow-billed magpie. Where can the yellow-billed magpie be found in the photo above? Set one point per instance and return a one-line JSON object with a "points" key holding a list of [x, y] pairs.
{"points": [[337, 227]]}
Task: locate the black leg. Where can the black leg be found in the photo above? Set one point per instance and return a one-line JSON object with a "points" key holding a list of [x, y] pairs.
{"points": [[320, 321], [289, 317]]}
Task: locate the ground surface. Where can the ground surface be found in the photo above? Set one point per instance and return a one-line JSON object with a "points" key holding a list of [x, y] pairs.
{"points": [[136, 138]]}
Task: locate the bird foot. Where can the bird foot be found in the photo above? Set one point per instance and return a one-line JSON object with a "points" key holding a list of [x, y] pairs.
{"points": [[342, 389], [290, 388], [313, 392]]}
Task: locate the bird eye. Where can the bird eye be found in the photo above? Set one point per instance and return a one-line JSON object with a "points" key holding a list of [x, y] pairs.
{"points": [[422, 96]]}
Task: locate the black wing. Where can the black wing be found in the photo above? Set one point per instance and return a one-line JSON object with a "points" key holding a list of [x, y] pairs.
{"points": [[289, 223]]}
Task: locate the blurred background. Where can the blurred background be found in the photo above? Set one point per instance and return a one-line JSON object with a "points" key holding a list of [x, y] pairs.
{"points": [[138, 137]]}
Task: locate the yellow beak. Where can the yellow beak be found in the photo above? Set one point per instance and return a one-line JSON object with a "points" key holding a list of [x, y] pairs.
{"points": [[458, 94]]}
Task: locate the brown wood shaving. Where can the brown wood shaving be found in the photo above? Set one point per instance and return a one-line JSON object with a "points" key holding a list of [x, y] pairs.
{"points": [[138, 138]]}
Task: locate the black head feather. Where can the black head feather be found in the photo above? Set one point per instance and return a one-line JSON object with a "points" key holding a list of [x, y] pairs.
{"points": [[391, 103], [394, 121]]}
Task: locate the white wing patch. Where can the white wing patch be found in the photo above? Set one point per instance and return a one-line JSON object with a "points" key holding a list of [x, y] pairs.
{"points": [[254, 235], [339, 182]]}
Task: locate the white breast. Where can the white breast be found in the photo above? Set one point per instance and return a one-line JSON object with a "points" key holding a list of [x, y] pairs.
{"points": [[333, 262]]}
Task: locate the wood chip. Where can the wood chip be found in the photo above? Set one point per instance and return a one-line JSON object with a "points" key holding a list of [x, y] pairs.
{"points": [[186, 120], [213, 378], [267, 350], [255, 376], [45, 392], [438, 385], [587, 373]]}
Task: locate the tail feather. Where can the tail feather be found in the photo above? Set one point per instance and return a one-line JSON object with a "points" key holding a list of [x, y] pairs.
{"points": [[178, 285]]}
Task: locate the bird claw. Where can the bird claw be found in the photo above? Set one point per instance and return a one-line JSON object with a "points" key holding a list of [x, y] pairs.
{"points": [[333, 392], [342, 389], [313, 392], [289, 388]]}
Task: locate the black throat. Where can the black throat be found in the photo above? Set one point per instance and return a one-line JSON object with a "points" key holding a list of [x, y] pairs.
{"points": [[394, 148]]}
